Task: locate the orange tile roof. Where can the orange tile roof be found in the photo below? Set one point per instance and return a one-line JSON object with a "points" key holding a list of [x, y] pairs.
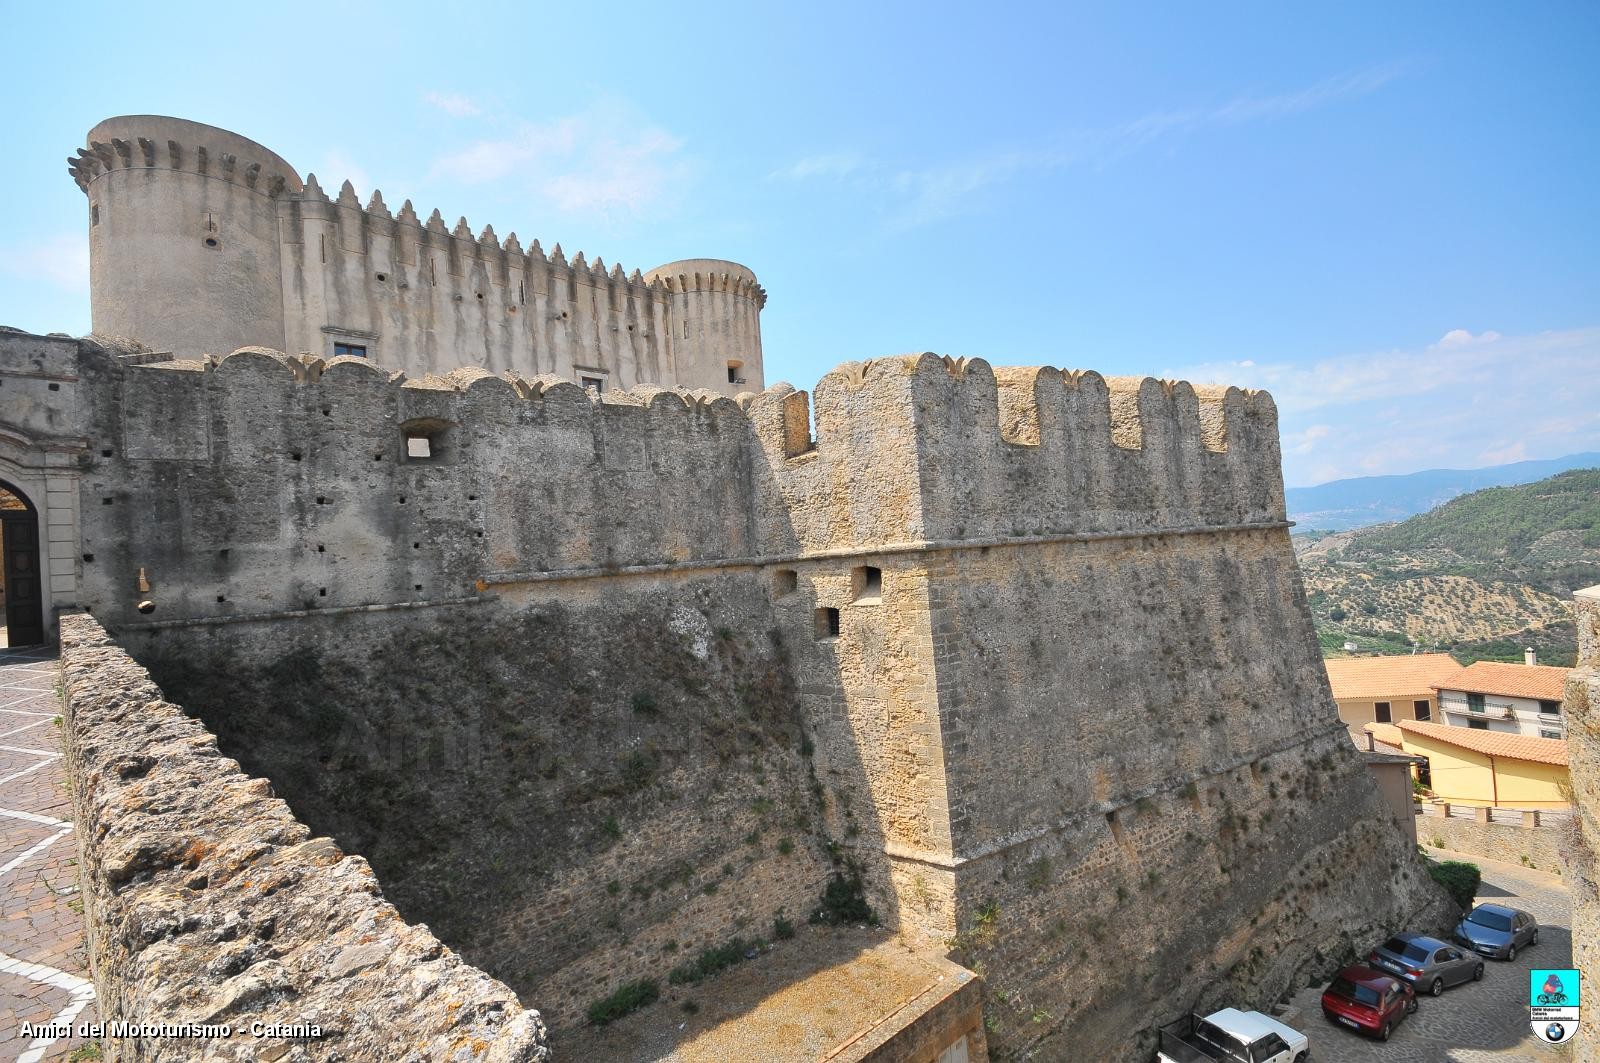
{"points": [[1538, 681], [1384, 732], [1491, 743], [1408, 676]]}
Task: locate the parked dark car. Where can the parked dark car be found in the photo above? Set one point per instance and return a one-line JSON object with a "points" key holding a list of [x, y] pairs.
{"points": [[1497, 931], [1426, 963], [1368, 1001]]}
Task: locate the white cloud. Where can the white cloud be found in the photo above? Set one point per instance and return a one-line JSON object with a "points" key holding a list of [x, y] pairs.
{"points": [[62, 261], [837, 164], [602, 161], [1460, 337], [453, 104], [1517, 451], [1461, 402], [1304, 442], [919, 195]]}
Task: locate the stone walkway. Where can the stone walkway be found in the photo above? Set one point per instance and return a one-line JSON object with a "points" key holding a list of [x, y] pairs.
{"points": [[1478, 1022], [43, 967]]}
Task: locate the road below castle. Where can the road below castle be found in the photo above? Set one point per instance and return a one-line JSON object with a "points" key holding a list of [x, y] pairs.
{"points": [[1479, 1022]]}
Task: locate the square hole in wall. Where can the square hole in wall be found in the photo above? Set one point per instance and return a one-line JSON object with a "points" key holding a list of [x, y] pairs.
{"points": [[867, 583], [785, 581], [827, 623], [425, 438]]}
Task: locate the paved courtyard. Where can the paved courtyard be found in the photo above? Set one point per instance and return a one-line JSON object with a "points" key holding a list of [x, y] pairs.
{"points": [[43, 968], [1478, 1022]]}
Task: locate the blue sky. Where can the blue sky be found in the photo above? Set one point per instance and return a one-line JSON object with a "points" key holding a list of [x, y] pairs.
{"points": [[1385, 213]]}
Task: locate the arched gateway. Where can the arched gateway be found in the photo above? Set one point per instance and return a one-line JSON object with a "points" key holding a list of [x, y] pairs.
{"points": [[20, 579]]}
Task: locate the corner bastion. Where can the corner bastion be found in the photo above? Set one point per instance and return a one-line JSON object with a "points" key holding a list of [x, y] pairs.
{"points": [[1014, 663]]}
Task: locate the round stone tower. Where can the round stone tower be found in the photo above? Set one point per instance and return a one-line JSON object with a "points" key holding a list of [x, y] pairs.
{"points": [[715, 322], [183, 234]]}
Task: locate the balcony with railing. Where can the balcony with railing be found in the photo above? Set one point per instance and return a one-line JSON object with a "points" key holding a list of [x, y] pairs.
{"points": [[1477, 708]]}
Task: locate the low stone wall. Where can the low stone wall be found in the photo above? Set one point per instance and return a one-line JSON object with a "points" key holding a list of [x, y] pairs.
{"points": [[1541, 845], [207, 902]]}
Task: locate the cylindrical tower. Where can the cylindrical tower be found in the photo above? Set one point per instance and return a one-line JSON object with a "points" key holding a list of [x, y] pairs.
{"points": [[714, 324], [183, 234]]}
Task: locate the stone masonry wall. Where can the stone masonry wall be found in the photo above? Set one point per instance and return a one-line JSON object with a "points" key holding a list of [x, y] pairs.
{"points": [[598, 682], [1540, 847], [206, 901], [1582, 843], [576, 790], [1141, 725]]}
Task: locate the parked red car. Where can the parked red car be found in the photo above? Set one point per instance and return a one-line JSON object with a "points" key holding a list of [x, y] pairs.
{"points": [[1368, 1001]]}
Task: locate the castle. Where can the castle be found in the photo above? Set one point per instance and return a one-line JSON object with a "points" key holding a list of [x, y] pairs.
{"points": [[201, 242], [1003, 670]]}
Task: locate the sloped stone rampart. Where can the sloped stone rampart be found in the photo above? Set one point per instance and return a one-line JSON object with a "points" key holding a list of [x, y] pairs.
{"points": [[208, 903]]}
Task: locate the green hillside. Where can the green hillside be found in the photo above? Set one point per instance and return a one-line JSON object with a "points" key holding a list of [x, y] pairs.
{"points": [[1506, 529], [1481, 576]]}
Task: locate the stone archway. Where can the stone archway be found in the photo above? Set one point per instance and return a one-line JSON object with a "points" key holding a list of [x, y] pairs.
{"points": [[21, 569]]}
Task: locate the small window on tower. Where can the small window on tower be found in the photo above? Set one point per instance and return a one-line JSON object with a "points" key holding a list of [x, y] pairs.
{"points": [[867, 582], [592, 383], [353, 350], [736, 372], [826, 624], [94, 214]]}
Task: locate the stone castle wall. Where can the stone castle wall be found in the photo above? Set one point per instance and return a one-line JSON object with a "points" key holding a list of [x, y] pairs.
{"points": [[1026, 650], [202, 241], [1581, 706], [207, 902]]}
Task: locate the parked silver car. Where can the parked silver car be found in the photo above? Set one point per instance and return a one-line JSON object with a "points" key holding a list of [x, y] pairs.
{"points": [[1427, 963], [1498, 931]]}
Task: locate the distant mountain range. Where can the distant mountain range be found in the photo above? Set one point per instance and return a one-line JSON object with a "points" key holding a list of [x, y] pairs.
{"points": [[1340, 505]]}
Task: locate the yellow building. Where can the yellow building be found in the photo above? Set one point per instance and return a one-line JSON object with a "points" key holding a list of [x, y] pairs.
{"points": [[1388, 689], [1467, 766]]}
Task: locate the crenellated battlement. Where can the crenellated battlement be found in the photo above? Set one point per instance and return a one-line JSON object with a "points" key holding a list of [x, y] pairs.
{"points": [[252, 255], [154, 142], [500, 256]]}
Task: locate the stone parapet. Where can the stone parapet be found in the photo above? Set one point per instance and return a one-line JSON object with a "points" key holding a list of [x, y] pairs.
{"points": [[208, 902]]}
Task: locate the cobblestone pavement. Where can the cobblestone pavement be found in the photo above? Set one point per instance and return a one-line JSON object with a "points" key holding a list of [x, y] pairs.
{"points": [[1478, 1022], [43, 967]]}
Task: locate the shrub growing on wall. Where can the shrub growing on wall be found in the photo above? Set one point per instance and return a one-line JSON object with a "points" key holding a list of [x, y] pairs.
{"points": [[1459, 879]]}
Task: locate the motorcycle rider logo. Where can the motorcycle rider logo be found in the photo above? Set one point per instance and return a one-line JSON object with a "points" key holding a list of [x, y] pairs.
{"points": [[1553, 1004]]}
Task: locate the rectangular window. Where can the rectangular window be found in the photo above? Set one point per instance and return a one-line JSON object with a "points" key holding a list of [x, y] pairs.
{"points": [[827, 623], [352, 350], [1422, 710], [1478, 725], [1549, 734], [1550, 708], [785, 581], [1474, 702], [1381, 710], [867, 583], [593, 383]]}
